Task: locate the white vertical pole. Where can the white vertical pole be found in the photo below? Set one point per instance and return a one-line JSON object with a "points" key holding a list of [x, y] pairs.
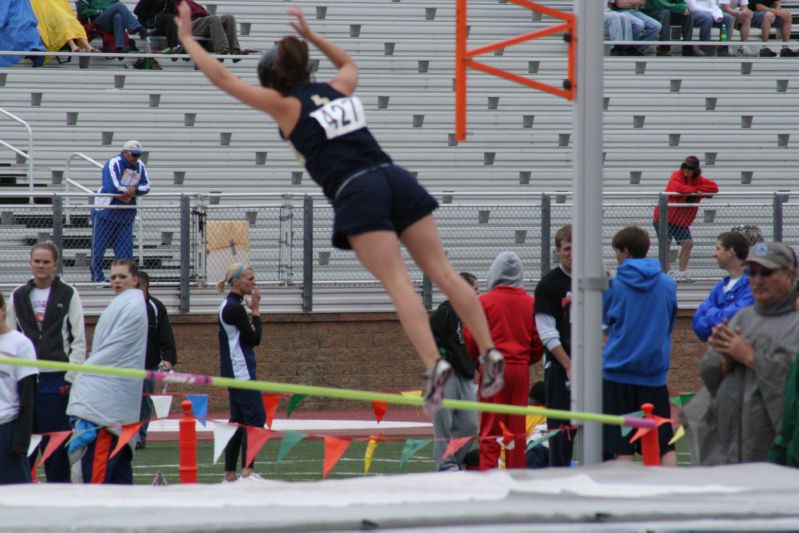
{"points": [[588, 273]]}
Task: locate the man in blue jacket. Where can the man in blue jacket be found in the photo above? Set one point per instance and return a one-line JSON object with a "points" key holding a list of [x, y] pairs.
{"points": [[732, 292], [638, 312], [124, 176]]}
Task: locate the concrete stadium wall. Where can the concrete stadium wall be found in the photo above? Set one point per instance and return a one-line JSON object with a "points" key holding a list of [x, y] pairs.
{"points": [[352, 350]]}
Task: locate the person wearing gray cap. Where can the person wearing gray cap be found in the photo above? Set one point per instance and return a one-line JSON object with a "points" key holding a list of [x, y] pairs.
{"points": [[738, 413], [124, 178]]}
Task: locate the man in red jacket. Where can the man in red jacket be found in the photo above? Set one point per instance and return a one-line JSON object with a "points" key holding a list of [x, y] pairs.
{"points": [[688, 181], [509, 310]]}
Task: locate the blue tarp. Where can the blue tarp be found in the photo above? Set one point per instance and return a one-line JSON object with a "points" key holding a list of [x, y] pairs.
{"points": [[18, 30]]}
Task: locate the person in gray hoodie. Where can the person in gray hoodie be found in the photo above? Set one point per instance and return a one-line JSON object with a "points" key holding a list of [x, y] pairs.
{"points": [[102, 404], [737, 415]]}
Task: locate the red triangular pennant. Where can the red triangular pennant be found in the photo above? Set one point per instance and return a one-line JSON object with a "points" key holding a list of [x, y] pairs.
{"points": [[271, 402], [57, 439], [35, 471], [640, 432], [128, 432], [507, 436], [380, 409], [455, 445], [256, 438], [334, 449]]}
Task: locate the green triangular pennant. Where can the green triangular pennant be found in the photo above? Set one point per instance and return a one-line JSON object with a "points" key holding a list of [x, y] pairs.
{"points": [[681, 399], [290, 439], [543, 438], [626, 430], [411, 447], [293, 403]]}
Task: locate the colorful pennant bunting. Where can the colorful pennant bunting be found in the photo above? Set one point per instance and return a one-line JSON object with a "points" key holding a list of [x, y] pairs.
{"points": [[256, 438], [681, 399], [542, 439], [290, 440], [128, 432], [680, 433], [223, 432], [411, 447], [412, 393], [294, 401], [161, 404], [334, 449], [271, 402], [456, 444], [371, 447], [380, 409], [35, 441], [626, 430], [199, 406]]}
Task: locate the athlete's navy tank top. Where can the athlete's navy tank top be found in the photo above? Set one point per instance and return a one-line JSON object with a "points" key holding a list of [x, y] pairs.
{"points": [[331, 136]]}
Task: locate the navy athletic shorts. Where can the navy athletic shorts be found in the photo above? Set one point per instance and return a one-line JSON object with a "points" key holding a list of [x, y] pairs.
{"points": [[382, 198], [623, 398], [680, 234]]}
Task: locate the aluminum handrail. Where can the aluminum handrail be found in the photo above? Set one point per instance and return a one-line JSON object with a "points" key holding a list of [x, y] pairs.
{"points": [[29, 155]]}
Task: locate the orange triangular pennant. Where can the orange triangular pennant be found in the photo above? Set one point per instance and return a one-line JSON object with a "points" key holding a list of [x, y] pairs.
{"points": [[380, 409], [57, 439], [35, 471], [271, 402], [128, 432], [334, 449], [640, 432], [455, 445], [256, 438]]}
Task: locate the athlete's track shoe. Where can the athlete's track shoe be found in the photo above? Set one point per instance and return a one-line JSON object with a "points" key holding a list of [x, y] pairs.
{"points": [[493, 373], [434, 386]]}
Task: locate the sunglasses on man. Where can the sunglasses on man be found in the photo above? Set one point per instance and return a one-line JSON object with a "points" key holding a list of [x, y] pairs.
{"points": [[762, 272]]}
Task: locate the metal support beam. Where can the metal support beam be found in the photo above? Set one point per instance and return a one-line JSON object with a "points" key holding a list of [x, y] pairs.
{"points": [[587, 227], [58, 229], [307, 254], [546, 232], [185, 254], [663, 233]]}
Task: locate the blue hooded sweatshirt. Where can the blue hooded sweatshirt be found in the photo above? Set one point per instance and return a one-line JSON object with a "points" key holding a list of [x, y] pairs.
{"points": [[638, 310], [721, 306]]}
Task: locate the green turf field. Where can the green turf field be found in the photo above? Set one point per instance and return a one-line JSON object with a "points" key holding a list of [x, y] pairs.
{"points": [[304, 462]]}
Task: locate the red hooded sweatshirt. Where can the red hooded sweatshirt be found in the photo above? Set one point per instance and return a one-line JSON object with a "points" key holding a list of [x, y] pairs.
{"points": [[683, 217], [509, 311]]}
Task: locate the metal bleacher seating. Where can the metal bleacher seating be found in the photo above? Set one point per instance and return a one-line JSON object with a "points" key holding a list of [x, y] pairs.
{"points": [[735, 113]]}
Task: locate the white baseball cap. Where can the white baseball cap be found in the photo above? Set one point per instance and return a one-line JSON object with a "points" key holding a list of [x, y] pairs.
{"points": [[133, 147]]}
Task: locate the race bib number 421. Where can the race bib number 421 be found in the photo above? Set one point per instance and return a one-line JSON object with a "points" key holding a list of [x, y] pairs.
{"points": [[341, 116]]}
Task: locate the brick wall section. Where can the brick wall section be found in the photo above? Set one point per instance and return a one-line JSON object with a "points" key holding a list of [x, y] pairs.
{"points": [[353, 350]]}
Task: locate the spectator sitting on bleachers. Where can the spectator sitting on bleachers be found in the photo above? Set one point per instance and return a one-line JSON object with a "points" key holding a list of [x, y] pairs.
{"points": [[59, 27], [19, 32], [742, 16], [159, 16], [221, 29], [708, 14], [619, 29], [669, 12], [111, 16], [645, 28], [767, 13]]}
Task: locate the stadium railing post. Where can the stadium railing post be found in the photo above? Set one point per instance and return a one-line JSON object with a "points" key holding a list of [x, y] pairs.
{"points": [[777, 216], [185, 253], [188, 445], [546, 231], [663, 232], [58, 227], [307, 254], [650, 445]]}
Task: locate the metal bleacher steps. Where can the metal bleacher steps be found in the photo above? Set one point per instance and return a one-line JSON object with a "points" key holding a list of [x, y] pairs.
{"points": [[738, 115]]}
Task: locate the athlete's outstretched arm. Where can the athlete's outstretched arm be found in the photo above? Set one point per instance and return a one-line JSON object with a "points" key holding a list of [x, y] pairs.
{"points": [[262, 98], [346, 79]]}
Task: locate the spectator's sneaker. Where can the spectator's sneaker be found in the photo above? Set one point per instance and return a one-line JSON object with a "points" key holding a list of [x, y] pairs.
{"points": [[723, 51], [684, 279], [434, 386], [690, 51], [617, 51], [765, 52], [252, 476], [493, 373], [664, 51], [226, 480], [787, 52], [746, 51]]}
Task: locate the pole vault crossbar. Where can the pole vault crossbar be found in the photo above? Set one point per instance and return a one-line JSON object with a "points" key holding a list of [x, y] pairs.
{"points": [[465, 58], [326, 392]]}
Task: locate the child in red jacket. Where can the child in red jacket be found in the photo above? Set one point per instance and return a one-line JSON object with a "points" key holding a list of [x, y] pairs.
{"points": [[509, 310]]}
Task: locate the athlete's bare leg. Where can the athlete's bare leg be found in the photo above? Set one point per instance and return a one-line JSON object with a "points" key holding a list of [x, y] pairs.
{"points": [[422, 241], [379, 252]]}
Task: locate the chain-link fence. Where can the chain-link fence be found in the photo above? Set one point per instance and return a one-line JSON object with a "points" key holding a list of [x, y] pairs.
{"points": [[189, 240]]}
